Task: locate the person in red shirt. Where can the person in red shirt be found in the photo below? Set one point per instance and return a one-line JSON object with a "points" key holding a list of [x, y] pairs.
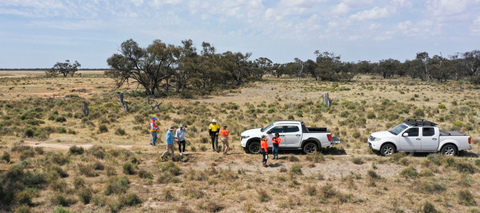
{"points": [[224, 136], [264, 149], [276, 143]]}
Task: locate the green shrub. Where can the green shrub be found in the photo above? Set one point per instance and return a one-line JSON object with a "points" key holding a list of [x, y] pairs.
{"points": [[426, 172], [39, 150], [60, 119], [78, 182], [357, 160], [6, 156], [428, 207], [145, 174], [63, 200], [373, 174], [292, 158], [24, 197], [130, 199], [442, 106], [102, 128], [111, 171], [117, 185], [296, 169], [465, 197], [263, 195], [464, 166], [59, 185], [85, 195], [409, 172], [120, 131], [316, 158], [97, 151], [171, 168], [76, 150], [419, 113], [128, 168], [87, 170], [23, 209], [371, 115], [429, 186], [60, 209]]}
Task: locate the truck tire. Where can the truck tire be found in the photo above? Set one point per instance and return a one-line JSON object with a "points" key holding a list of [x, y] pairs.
{"points": [[310, 148], [387, 149], [254, 147], [449, 149]]}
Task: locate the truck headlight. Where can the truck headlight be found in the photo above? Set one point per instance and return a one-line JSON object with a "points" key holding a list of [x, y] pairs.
{"points": [[377, 139], [244, 137]]}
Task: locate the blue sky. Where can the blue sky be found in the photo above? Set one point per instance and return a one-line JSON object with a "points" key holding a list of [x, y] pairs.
{"points": [[39, 33]]}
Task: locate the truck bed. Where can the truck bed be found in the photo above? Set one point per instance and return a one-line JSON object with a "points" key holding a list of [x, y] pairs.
{"points": [[451, 133], [316, 129]]}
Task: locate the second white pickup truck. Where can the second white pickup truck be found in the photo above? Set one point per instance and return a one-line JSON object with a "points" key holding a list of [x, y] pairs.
{"points": [[419, 136], [294, 134]]}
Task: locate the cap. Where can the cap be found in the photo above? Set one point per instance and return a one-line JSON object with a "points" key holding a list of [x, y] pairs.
{"points": [[154, 118], [214, 121], [263, 137], [172, 128], [225, 126], [181, 125]]}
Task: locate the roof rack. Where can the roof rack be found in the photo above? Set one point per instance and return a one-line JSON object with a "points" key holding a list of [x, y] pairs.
{"points": [[419, 122]]}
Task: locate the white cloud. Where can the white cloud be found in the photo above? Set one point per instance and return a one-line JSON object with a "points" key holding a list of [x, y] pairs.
{"points": [[475, 28], [421, 29], [374, 13], [341, 8], [358, 3], [137, 2]]}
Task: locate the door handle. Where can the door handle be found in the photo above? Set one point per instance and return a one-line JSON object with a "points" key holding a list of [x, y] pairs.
{"points": [[298, 135], [434, 139], [418, 139]]}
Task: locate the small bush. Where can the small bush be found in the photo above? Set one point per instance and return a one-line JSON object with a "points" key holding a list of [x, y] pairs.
{"points": [[316, 158], [465, 197], [296, 169], [130, 199], [63, 200], [6, 157], [60, 119], [171, 168], [59, 185], [263, 195], [87, 170], [98, 165], [102, 128], [74, 150], [128, 168], [371, 115], [426, 172], [463, 166], [357, 161], [442, 106], [85, 195], [111, 171], [409, 172], [60, 209], [39, 150], [428, 207], [24, 197], [23, 209], [117, 185], [168, 194], [292, 158], [97, 151], [428, 186], [78, 183], [203, 148], [120, 131], [373, 174], [145, 174]]}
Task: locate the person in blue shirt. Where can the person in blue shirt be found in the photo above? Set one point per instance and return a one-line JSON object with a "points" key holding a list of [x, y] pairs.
{"points": [[169, 142], [180, 135]]}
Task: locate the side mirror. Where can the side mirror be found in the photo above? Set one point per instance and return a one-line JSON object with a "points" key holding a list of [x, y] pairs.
{"points": [[405, 134], [269, 132]]}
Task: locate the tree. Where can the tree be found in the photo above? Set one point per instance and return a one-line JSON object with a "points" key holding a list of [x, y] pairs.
{"points": [[299, 70], [472, 62], [424, 58], [311, 68], [264, 66], [387, 68], [147, 66], [63, 68]]}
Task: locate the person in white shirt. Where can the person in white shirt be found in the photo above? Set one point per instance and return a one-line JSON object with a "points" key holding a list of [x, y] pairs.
{"points": [[180, 135]]}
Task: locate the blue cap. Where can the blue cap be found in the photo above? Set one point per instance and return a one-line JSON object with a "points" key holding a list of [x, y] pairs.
{"points": [[154, 118]]}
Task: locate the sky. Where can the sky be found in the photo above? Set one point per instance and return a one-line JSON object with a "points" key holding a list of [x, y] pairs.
{"points": [[39, 33]]}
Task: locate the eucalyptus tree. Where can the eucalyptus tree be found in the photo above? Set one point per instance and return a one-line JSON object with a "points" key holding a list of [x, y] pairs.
{"points": [[65, 69]]}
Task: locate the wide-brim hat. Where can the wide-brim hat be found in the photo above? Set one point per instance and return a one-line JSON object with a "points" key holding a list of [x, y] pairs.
{"points": [[172, 128], [214, 121], [264, 137], [154, 118], [181, 125]]}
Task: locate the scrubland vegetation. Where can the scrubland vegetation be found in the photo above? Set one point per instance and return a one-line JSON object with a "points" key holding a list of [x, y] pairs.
{"points": [[53, 159]]}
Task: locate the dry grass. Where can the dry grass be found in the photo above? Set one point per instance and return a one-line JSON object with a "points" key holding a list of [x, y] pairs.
{"points": [[118, 171]]}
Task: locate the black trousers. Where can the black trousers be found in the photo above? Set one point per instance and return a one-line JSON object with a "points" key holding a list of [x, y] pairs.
{"points": [[180, 143], [214, 141], [265, 155]]}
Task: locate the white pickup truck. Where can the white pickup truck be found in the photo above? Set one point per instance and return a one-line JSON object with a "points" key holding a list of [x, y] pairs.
{"points": [[294, 135], [419, 136]]}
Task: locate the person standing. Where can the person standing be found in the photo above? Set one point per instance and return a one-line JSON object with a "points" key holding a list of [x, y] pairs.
{"points": [[276, 143], [169, 142], [264, 149], [213, 131], [153, 131], [224, 136], [180, 135]]}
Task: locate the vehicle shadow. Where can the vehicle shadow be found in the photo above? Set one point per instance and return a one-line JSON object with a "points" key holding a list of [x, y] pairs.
{"points": [[324, 151], [460, 154]]}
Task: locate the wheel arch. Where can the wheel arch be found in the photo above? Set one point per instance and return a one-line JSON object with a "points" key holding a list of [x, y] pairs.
{"points": [[389, 142], [314, 140], [449, 143], [255, 139]]}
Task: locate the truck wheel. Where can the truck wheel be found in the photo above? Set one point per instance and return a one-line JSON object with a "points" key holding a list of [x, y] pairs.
{"points": [[254, 147], [387, 149], [449, 150], [310, 148]]}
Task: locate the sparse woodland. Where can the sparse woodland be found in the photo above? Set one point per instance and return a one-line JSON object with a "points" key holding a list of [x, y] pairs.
{"points": [[54, 159]]}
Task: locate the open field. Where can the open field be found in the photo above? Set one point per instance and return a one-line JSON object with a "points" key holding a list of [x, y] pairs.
{"points": [[115, 169]]}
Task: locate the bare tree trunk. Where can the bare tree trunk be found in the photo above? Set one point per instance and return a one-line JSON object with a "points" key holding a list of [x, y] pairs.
{"points": [[156, 105], [123, 103], [85, 109], [148, 100], [327, 100]]}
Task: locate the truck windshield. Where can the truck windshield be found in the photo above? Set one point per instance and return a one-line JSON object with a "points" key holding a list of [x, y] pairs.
{"points": [[398, 129], [268, 127]]}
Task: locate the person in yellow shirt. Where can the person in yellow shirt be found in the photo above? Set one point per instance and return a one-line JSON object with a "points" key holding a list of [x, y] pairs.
{"points": [[213, 132], [224, 136]]}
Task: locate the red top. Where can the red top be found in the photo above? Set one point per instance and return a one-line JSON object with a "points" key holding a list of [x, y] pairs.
{"points": [[224, 133]]}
